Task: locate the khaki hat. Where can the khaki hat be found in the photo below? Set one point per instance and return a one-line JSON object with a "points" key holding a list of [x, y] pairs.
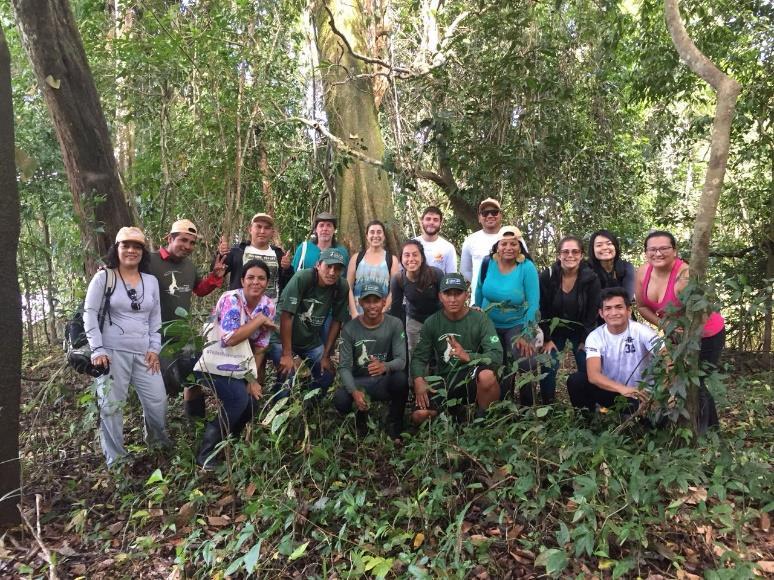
{"points": [[184, 227], [488, 201], [325, 216], [509, 231], [262, 217], [130, 234]]}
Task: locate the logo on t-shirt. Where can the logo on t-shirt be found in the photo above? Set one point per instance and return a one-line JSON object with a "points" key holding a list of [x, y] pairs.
{"points": [[174, 288], [364, 358], [448, 351], [308, 317]]}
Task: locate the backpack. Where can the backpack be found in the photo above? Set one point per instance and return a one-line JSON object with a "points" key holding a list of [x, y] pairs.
{"points": [[75, 342], [484, 269]]}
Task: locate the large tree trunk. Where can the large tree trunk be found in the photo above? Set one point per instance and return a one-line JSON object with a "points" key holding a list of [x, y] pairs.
{"points": [[56, 51], [10, 304], [363, 191], [727, 90]]}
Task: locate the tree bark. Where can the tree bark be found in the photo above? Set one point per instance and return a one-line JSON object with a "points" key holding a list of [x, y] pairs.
{"points": [[10, 303], [727, 90], [56, 51], [362, 189]]}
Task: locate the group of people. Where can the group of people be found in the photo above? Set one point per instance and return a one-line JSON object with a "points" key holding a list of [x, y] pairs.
{"points": [[405, 322]]}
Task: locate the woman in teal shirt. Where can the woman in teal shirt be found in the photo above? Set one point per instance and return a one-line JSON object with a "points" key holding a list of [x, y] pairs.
{"points": [[508, 291]]}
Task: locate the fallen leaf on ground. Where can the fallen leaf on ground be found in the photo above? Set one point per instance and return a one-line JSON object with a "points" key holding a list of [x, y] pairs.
{"points": [[419, 539], [766, 566], [218, 521], [765, 522]]}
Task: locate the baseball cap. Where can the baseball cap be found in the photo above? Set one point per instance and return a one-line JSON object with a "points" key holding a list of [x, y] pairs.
{"points": [[331, 257], [130, 234], [325, 216], [489, 201], [262, 217], [509, 231], [372, 290], [452, 281], [184, 227]]}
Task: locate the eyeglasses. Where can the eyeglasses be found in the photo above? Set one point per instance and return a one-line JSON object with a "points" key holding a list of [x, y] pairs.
{"points": [[490, 212], [661, 250], [574, 252], [132, 293]]}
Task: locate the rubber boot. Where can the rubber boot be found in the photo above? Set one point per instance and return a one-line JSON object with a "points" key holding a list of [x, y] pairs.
{"points": [[212, 437], [195, 408]]}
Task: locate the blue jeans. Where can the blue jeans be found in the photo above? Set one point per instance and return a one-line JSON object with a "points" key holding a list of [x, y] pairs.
{"points": [[236, 406], [548, 383], [320, 379]]}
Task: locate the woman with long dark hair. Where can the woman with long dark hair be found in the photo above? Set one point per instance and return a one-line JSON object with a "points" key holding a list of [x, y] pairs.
{"points": [[569, 291], [659, 283], [418, 283], [373, 265], [244, 314], [606, 261], [126, 343]]}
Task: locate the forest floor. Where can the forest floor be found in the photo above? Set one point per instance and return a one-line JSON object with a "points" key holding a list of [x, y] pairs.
{"points": [[524, 493]]}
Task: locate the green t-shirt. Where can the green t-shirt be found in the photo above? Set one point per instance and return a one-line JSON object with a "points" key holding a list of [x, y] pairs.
{"points": [[310, 304], [386, 342], [176, 283], [475, 333]]}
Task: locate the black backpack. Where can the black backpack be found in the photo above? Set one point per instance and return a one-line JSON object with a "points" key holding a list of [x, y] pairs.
{"points": [[76, 344], [387, 259]]}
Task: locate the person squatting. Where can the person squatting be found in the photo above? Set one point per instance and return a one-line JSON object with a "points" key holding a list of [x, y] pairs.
{"points": [[406, 324]]}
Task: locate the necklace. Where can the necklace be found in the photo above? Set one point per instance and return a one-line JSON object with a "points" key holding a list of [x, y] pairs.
{"points": [[132, 293]]}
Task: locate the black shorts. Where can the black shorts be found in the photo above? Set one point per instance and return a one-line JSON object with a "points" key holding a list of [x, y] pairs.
{"points": [[460, 389]]}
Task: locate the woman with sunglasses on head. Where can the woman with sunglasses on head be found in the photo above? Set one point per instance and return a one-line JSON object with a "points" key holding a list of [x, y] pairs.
{"points": [[128, 344], [658, 285], [246, 313], [570, 291], [418, 283], [508, 290]]}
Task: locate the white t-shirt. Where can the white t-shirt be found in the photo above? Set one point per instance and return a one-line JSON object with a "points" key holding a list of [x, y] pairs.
{"points": [[625, 356], [270, 257], [440, 254], [475, 247]]}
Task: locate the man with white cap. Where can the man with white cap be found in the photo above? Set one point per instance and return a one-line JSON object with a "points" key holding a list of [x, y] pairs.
{"points": [[259, 247], [178, 281], [478, 244]]}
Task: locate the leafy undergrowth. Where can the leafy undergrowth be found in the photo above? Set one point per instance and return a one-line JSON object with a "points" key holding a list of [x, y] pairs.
{"points": [[524, 493]]}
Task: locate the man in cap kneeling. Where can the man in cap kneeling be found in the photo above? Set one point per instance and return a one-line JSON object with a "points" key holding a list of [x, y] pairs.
{"points": [[178, 281], [465, 346], [304, 305], [372, 362]]}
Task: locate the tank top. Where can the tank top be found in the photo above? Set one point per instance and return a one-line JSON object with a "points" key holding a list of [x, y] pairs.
{"points": [[370, 274], [712, 326]]}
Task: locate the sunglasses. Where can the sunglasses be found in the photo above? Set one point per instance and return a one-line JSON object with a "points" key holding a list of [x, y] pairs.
{"points": [[132, 293], [490, 212]]}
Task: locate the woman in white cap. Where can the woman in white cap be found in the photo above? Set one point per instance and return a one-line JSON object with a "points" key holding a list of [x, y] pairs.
{"points": [[126, 343], [508, 290]]}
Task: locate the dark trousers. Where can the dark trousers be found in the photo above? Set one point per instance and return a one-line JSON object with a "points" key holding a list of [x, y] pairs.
{"points": [[320, 379], [508, 338], [392, 387], [709, 353], [548, 383], [586, 395], [235, 405]]}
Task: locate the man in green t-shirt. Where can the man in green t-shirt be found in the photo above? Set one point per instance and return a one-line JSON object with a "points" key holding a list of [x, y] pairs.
{"points": [[372, 361], [305, 303], [466, 349]]}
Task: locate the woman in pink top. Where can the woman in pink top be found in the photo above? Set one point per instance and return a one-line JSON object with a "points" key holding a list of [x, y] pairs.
{"points": [[657, 286]]}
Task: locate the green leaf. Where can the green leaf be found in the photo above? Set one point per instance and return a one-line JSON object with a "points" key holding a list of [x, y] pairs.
{"points": [[553, 560], [298, 552], [155, 477], [542, 412], [252, 557]]}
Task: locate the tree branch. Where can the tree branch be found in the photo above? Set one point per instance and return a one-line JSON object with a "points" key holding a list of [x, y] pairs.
{"points": [[741, 253]]}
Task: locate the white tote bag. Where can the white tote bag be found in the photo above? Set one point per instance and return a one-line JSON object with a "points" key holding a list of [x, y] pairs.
{"points": [[229, 361]]}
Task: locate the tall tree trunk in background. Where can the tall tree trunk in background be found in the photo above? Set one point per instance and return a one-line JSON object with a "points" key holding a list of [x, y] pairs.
{"points": [[56, 51], [362, 190], [10, 304], [727, 90], [768, 246]]}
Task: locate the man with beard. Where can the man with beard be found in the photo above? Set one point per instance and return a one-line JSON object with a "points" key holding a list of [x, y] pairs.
{"points": [[438, 251], [178, 280]]}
